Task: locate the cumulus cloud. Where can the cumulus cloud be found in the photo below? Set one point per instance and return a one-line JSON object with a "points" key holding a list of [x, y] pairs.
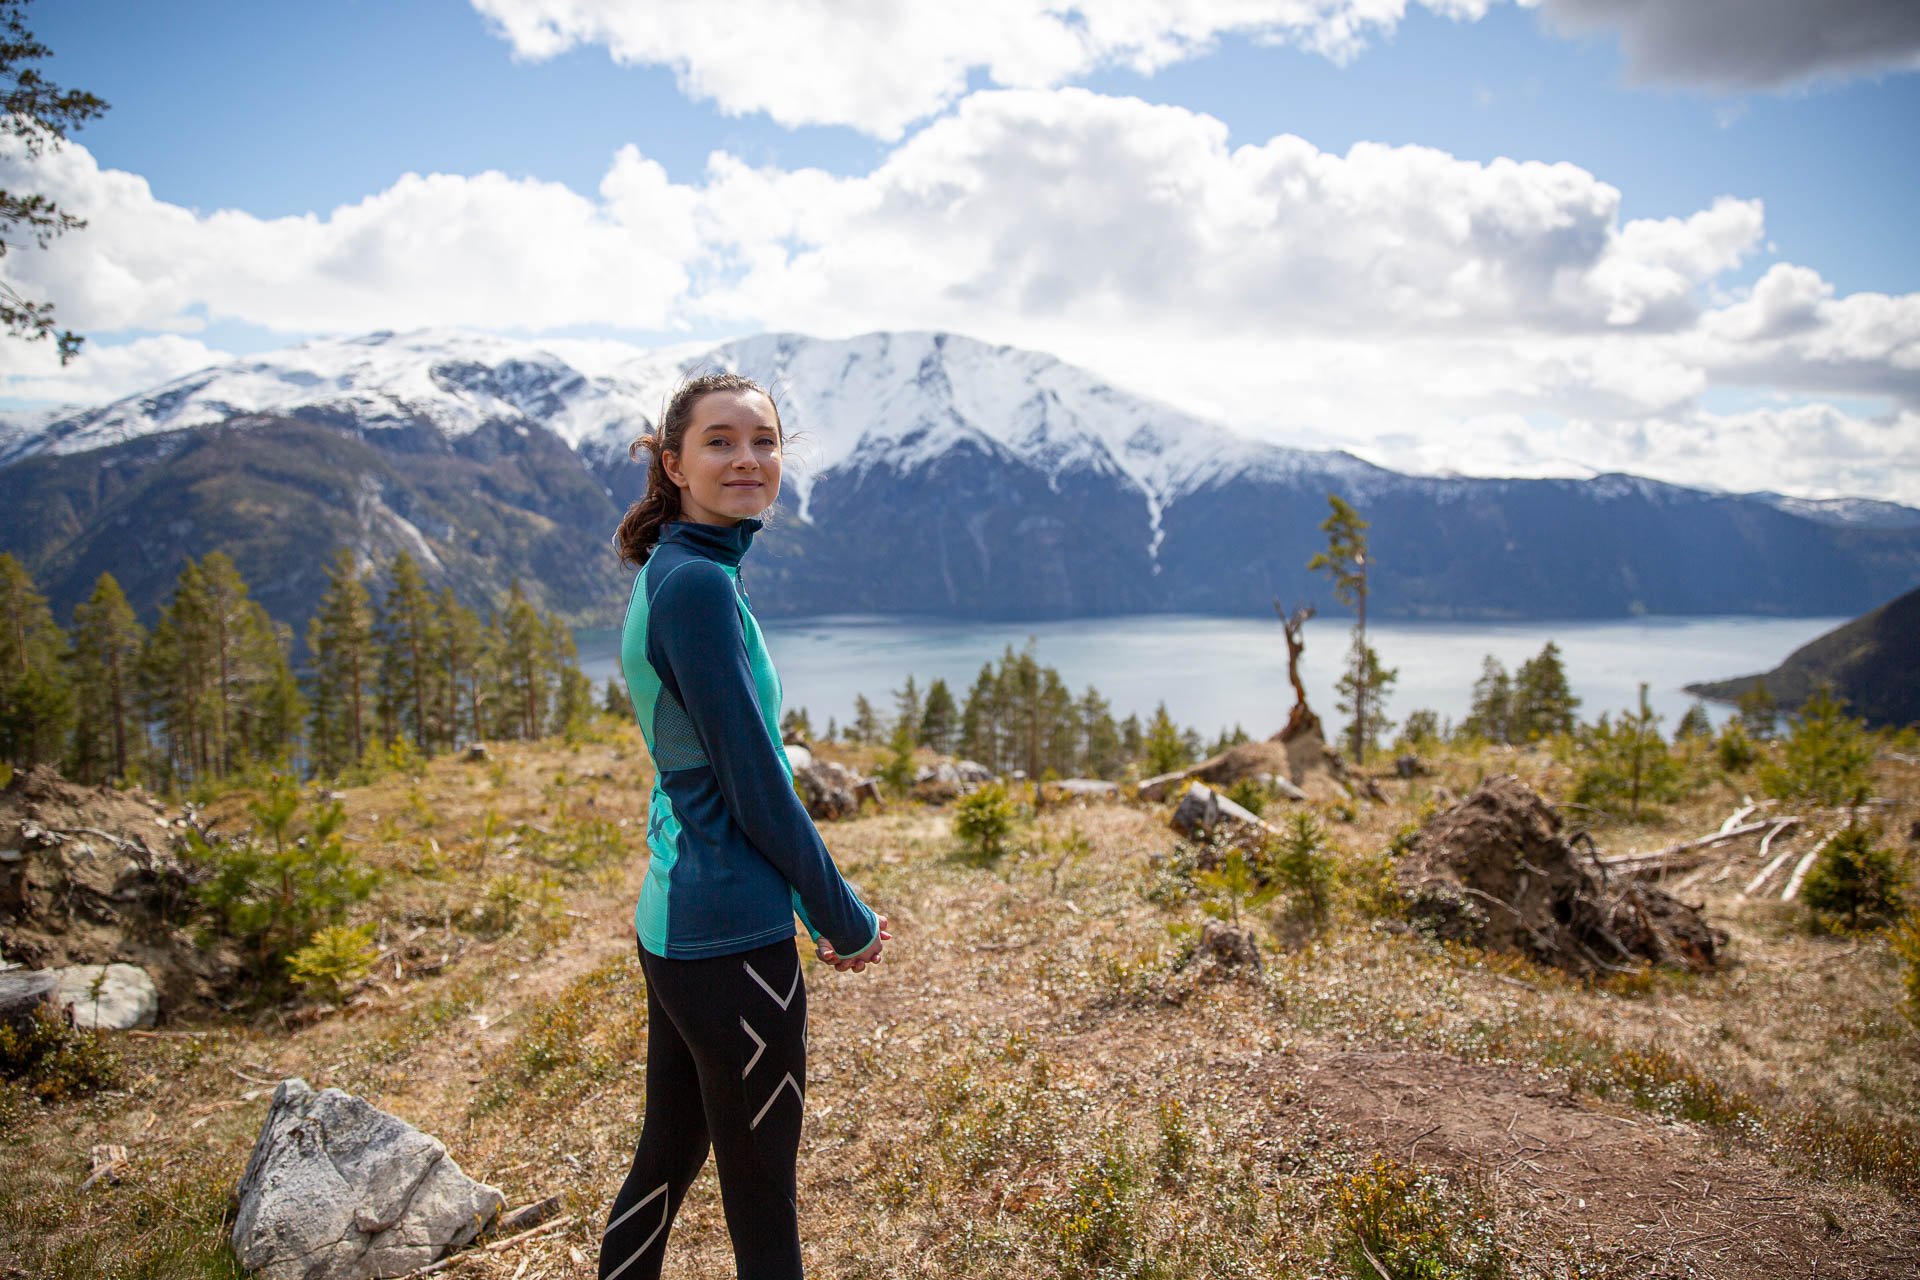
{"points": [[1433, 312], [1734, 45], [879, 67], [103, 371]]}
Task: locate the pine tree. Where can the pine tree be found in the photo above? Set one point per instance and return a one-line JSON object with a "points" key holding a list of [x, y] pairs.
{"points": [[106, 640], [340, 638], [1627, 760], [980, 721], [462, 641], [1132, 740], [907, 709], [1826, 755], [865, 729], [1543, 702], [36, 692], [1166, 749], [613, 699], [1104, 756], [572, 692], [1345, 561], [522, 658], [1365, 684], [1695, 724], [796, 725], [939, 720], [1491, 714], [407, 645]]}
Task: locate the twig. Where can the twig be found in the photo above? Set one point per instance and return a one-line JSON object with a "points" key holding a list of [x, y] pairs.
{"points": [[497, 1245], [1514, 982], [1673, 850], [250, 1079]]}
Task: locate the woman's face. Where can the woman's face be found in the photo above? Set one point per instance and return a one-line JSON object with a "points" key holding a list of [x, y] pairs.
{"points": [[728, 465]]}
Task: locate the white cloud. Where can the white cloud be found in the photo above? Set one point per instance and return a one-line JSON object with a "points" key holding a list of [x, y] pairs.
{"points": [[1734, 45], [103, 371], [880, 66], [1433, 312]]}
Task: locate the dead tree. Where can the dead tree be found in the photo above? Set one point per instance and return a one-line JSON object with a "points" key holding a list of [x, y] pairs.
{"points": [[1301, 719]]}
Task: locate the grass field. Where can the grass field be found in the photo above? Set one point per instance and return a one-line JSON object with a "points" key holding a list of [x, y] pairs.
{"points": [[1043, 1079]]}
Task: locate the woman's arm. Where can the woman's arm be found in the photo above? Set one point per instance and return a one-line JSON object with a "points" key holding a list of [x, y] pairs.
{"points": [[694, 620]]}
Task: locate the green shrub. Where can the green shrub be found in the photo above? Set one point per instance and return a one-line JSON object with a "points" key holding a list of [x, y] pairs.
{"points": [[983, 820], [1250, 794], [1735, 748], [274, 888], [1302, 868], [1627, 760], [337, 958], [1906, 945], [1415, 1224], [55, 1060], [1825, 756], [1231, 887], [1855, 879], [534, 909]]}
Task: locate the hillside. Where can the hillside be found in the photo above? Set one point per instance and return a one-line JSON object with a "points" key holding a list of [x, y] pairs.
{"points": [[931, 474], [1036, 1083], [1872, 662]]}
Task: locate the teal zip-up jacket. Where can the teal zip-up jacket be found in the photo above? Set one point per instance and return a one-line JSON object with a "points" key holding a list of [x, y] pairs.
{"points": [[733, 853]]}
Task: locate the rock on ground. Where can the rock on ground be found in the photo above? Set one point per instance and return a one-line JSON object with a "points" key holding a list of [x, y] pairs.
{"points": [[340, 1190], [1495, 871], [108, 997]]}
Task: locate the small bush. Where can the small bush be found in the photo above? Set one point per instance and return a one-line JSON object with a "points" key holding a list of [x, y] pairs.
{"points": [[273, 888], [1825, 757], [984, 820], [55, 1060], [1415, 1223], [1906, 945], [337, 958], [533, 909], [1734, 748], [1302, 868], [1855, 880], [1232, 887], [1250, 794]]}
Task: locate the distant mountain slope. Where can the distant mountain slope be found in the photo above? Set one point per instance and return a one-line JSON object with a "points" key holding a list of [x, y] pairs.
{"points": [[931, 473], [1873, 662]]}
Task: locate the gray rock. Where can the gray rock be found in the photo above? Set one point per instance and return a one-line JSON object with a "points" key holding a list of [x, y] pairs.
{"points": [[828, 790], [1203, 814], [21, 990], [1087, 787], [798, 756], [126, 997], [972, 772], [340, 1190]]}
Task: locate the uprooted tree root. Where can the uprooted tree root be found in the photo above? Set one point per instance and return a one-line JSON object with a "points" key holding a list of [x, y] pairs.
{"points": [[1496, 871]]}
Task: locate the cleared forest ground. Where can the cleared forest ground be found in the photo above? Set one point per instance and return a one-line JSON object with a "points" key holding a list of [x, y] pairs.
{"points": [[1038, 1082]]}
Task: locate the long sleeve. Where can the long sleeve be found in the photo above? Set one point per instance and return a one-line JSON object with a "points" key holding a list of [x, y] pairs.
{"points": [[698, 645]]}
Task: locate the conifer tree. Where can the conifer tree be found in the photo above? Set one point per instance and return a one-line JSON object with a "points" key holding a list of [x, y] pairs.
{"points": [[1490, 715], [907, 709], [796, 724], [462, 644], [1166, 749], [1695, 724], [613, 698], [522, 657], [1759, 713], [36, 693], [340, 637], [1627, 759], [1132, 740], [939, 720], [1365, 683], [1345, 561], [980, 721], [407, 646], [572, 695], [107, 638], [1543, 702], [1103, 756]]}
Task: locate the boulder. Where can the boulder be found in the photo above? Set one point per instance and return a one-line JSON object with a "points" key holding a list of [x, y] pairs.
{"points": [[828, 790], [972, 772], [340, 1190], [23, 990], [1086, 788], [1216, 823], [124, 997], [798, 756]]}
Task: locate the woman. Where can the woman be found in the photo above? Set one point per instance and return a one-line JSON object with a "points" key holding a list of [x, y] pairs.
{"points": [[733, 854]]}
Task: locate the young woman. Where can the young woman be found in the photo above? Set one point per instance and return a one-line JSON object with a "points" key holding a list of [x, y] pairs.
{"points": [[733, 854]]}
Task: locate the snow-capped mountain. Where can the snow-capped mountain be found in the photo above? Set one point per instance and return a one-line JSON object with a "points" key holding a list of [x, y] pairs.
{"points": [[930, 473]]}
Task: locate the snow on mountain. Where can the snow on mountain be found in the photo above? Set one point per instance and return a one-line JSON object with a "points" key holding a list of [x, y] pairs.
{"points": [[1863, 512]]}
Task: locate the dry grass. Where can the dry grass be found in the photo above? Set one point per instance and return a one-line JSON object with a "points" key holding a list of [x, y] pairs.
{"points": [[1041, 1081]]}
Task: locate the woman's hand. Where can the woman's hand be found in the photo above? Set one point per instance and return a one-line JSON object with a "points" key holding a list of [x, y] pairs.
{"points": [[859, 963]]}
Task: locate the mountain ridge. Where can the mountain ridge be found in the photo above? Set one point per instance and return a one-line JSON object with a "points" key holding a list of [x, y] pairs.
{"points": [[931, 473]]}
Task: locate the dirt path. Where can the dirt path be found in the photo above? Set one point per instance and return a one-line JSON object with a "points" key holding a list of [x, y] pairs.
{"points": [[1654, 1196]]}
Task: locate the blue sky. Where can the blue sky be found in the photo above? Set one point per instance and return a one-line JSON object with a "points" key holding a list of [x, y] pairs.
{"points": [[1576, 334]]}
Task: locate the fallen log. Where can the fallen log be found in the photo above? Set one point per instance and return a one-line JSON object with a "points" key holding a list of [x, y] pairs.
{"points": [[1805, 864], [1685, 846]]}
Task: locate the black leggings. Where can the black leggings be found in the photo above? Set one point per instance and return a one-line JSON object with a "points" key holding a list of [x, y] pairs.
{"points": [[726, 1067]]}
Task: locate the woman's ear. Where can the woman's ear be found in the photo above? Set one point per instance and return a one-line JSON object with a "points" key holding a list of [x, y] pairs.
{"points": [[670, 464]]}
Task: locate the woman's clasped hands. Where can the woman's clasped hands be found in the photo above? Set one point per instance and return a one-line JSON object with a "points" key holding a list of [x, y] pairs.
{"points": [[859, 963]]}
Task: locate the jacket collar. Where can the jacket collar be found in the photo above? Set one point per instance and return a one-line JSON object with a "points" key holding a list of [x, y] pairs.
{"points": [[724, 543]]}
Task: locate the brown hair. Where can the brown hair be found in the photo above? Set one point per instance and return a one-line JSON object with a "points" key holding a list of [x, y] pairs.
{"points": [[640, 528]]}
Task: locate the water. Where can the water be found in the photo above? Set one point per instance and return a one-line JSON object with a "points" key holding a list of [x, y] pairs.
{"points": [[1214, 673]]}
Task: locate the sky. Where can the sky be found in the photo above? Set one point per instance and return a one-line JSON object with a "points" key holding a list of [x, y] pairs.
{"points": [[1487, 237]]}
